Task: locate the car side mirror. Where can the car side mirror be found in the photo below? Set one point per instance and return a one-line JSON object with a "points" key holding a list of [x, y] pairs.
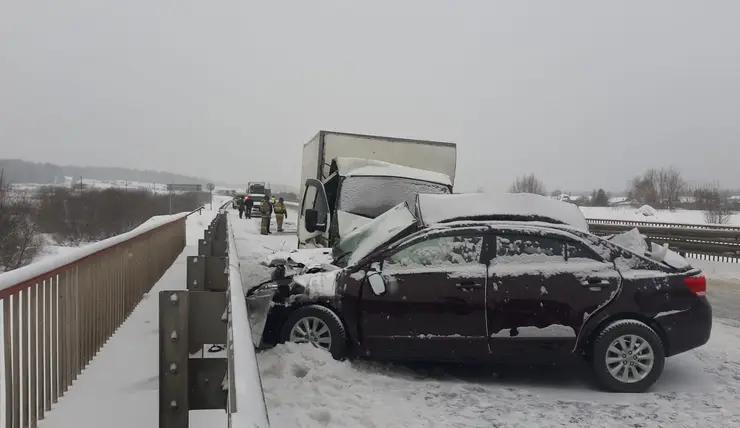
{"points": [[376, 280], [377, 283]]}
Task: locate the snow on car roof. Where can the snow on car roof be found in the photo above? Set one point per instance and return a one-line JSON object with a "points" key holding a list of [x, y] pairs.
{"points": [[357, 167], [443, 208]]}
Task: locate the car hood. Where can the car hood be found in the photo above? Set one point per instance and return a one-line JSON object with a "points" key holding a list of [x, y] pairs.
{"points": [[362, 241]]}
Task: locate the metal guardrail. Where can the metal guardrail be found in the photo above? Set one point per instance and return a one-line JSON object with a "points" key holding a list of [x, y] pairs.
{"points": [[640, 224], [706, 242], [212, 311], [58, 313]]}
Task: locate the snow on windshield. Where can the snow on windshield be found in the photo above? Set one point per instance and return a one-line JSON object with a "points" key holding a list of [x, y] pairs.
{"points": [[440, 208], [443, 251], [372, 196]]}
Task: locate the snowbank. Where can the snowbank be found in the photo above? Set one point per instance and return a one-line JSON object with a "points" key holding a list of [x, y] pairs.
{"points": [[441, 208], [251, 410], [647, 211]]}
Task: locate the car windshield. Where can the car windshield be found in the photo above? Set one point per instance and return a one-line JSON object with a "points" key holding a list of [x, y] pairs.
{"points": [[366, 238], [371, 196]]}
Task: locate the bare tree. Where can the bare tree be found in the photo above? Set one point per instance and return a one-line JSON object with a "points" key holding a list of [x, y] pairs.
{"points": [[20, 241], [718, 209], [658, 188], [670, 185], [599, 198], [528, 184]]}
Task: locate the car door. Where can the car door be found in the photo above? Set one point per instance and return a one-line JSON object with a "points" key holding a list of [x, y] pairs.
{"points": [[434, 304], [314, 198], [543, 288]]}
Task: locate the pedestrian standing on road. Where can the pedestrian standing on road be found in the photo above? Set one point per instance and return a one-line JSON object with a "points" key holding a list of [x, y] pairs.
{"points": [[280, 213], [265, 210], [240, 207], [271, 204], [248, 206]]}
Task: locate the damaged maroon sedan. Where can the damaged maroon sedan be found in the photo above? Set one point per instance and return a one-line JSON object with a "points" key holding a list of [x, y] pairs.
{"points": [[518, 278]]}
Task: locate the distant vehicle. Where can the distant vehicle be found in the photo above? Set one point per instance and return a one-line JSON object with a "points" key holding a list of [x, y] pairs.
{"points": [[259, 188], [256, 197], [479, 278], [349, 179]]}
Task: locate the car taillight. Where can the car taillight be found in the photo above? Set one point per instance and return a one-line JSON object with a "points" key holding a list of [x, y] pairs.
{"points": [[697, 284]]}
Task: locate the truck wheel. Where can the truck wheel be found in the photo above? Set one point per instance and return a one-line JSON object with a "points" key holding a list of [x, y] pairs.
{"points": [[628, 356], [319, 326]]}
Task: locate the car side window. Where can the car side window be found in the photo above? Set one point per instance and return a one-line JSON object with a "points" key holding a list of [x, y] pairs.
{"points": [[528, 249], [442, 251], [577, 250]]}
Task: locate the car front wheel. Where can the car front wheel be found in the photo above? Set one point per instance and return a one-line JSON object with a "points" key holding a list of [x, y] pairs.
{"points": [[628, 356], [319, 326]]}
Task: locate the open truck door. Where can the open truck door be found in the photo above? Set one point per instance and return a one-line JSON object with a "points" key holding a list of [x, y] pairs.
{"points": [[315, 216]]}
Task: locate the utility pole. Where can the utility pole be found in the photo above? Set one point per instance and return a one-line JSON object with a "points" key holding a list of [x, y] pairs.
{"points": [[170, 192]]}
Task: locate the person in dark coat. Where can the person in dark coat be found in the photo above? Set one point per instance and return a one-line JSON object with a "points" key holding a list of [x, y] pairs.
{"points": [[266, 211], [240, 207], [248, 205]]}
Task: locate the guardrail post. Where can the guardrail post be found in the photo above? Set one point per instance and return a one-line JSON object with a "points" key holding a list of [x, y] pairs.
{"points": [[198, 318]]}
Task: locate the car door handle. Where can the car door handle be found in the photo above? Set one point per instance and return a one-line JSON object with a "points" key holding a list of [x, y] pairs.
{"points": [[595, 282], [468, 285]]}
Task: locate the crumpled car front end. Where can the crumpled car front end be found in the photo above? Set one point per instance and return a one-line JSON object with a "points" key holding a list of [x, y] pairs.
{"points": [[269, 303]]}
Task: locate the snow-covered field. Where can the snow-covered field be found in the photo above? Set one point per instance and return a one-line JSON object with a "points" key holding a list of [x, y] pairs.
{"points": [[305, 387], [20, 189], [663, 216]]}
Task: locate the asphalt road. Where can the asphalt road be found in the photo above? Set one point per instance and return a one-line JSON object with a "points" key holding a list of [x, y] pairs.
{"points": [[725, 298]]}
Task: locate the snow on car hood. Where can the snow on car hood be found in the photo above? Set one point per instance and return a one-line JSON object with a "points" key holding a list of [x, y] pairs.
{"points": [[318, 284], [443, 208]]}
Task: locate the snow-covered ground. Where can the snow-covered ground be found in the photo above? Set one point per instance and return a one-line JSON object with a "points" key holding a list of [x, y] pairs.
{"points": [[305, 387], [120, 386], [663, 216]]}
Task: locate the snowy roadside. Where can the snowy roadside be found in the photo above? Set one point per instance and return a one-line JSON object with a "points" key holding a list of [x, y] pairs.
{"points": [[305, 387]]}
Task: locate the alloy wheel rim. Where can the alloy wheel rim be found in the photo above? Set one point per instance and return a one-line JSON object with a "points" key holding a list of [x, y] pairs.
{"points": [[311, 330], [630, 358]]}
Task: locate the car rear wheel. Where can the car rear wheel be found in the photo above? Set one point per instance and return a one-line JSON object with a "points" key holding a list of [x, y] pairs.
{"points": [[628, 356], [319, 326]]}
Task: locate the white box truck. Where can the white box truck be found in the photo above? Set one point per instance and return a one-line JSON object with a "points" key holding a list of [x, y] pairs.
{"points": [[349, 179]]}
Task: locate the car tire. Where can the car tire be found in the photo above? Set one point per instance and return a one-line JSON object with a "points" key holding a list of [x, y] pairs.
{"points": [[312, 317], [626, 371]]}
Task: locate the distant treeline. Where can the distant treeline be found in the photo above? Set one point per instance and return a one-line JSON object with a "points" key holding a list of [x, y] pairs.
{"points": [[20, 171]]}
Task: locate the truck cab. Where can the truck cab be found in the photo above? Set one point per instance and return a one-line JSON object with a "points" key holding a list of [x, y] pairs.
{"points": [[356, 191]]}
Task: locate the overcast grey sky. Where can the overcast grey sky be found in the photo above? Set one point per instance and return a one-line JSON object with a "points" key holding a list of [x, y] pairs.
{"points": [[585, 94]]}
